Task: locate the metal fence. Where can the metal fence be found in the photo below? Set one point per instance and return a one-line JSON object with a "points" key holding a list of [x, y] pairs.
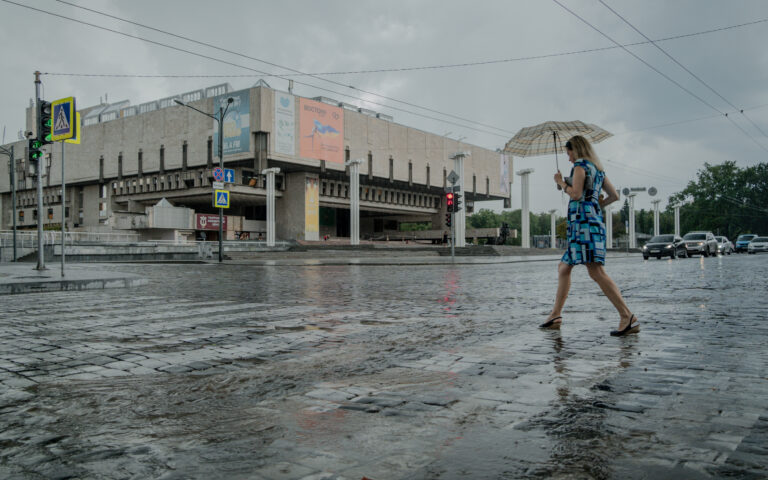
{"points": [[28, 239]]}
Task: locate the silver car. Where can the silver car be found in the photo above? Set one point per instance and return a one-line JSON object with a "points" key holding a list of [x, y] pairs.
{"points": [[700, 243], [724, 246], [758, 244]]}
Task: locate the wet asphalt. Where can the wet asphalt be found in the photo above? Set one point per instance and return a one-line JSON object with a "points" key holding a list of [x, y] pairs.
{"points": [[389, 372]]}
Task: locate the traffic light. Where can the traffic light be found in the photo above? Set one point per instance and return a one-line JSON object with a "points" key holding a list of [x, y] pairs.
{"points": [[457, 202], [35, 150], [44, 123], [448, 219], [449, 201]]}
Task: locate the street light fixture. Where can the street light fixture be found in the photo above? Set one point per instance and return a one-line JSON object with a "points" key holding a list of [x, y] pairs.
{"points": [[220, 122]]}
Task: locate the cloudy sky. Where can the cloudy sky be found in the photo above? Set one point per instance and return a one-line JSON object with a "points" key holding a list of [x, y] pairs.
{"points": [[662, 133]]}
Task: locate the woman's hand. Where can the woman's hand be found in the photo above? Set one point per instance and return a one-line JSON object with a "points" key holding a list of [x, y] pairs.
{"points": [[559, 180]]}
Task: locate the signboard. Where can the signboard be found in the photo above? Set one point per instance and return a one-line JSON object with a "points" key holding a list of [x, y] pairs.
{"points": [[504, 174], [237, 123], [321, 131], [78, 130], [311, 210], [218, 185], [285, 123], [453, 177], [221, 198], [63, 116], [218, 174], [229, 175], [205, 221]]}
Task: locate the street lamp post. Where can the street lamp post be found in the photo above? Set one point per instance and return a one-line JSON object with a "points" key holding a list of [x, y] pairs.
{"points": [[220, 122]]}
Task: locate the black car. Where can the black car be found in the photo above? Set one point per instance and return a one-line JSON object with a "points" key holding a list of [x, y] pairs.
{"points": [[665, 246]]}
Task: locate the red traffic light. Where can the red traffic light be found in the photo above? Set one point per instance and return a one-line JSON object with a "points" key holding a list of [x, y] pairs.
{"points": [[449, 199]]}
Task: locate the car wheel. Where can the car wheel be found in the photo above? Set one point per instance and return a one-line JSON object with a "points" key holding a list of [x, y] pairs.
{"points": [[672, 255], [705, 253]]}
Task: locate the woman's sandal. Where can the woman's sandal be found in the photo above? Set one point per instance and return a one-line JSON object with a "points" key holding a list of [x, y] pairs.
{"points": [[551, 323], [630, 328]]}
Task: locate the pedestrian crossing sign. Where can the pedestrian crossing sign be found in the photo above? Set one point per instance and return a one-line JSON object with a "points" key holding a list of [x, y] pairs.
{"points": [[64, 118], [221, 198]]}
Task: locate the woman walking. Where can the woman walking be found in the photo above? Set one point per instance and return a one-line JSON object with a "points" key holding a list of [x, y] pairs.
{"points": [[586, 233]]}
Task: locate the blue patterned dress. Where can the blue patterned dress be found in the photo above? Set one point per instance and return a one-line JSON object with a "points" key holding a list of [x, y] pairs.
{"points": [[586, 227]]}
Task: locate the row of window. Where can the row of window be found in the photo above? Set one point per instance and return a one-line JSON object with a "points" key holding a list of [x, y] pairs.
{"points": [[161, 169], [372, 194]]}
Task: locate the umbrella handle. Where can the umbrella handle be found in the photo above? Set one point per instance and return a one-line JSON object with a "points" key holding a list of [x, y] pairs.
{"points": [[554, 140]]}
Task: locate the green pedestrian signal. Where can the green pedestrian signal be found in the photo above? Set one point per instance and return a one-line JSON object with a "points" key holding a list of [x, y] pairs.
{"points": [[44, 123]]}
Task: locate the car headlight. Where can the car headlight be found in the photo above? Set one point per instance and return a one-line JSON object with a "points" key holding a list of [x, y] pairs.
{"points": [[645, 247], [668, 246], [700, 243]]}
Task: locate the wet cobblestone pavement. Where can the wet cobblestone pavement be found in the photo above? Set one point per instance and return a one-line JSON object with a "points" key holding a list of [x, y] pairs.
{"points": [[389, 372]]}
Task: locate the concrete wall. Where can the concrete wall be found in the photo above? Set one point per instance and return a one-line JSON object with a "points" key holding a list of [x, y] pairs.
{"points": [[290, 208]]}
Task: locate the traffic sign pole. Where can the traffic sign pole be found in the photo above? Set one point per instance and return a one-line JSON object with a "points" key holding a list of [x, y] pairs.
{"points": [[40, 253]]}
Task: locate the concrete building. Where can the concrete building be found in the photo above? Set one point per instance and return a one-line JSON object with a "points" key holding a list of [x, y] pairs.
{"points": [[136, 161]]}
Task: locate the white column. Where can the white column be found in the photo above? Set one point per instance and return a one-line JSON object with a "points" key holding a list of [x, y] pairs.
{"points": [[655, 217], [552, 231], [608, 227], [526, 207], [460, 218], [677, 220], [270, 173], [632, 241], [354, 200]]}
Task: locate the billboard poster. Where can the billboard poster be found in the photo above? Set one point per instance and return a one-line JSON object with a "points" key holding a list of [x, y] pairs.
{"points": [[285, 123], [321, 131], [205, 221], [504, 174], [237, 123], [311, 209]]}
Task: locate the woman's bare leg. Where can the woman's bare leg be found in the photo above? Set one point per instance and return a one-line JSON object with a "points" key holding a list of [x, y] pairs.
{"points": [[608, 286], [563, 287]]}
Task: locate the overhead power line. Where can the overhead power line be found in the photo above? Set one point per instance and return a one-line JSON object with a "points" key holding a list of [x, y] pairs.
{"points": [[273, 64], [670, 79], [687, 70], [256, 70], [455, 65]]}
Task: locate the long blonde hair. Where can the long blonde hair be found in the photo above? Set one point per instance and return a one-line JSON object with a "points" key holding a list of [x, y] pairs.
{"points": [[583, 149]]}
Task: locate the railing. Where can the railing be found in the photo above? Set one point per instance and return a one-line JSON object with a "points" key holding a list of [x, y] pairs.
{"points": [[28, 239]]}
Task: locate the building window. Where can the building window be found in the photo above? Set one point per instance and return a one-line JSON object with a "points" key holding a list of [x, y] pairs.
{"points": [[141, 162], [101, 167], [474, 183], [209, 162], [162, 159], [21, 216], [391, 168], [487, 186], [184, 156], [103, 191], [34, 214], [427, 175], [346, 162], [120, 165], [370, 166], [410, 172]]}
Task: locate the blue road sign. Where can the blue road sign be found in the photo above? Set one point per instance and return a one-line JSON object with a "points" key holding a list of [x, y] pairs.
{"points": [[63, 116], [221, 198], [229, 175], [218, 174]]}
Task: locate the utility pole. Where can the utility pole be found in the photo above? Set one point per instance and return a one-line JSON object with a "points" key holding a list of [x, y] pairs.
{"points": [[12, 173]]}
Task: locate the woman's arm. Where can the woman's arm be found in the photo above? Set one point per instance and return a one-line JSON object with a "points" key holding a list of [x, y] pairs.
{"points": [[574, 191], [613, 195]]}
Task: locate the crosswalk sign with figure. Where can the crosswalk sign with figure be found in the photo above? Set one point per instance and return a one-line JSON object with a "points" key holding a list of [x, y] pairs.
{"points": [[221, 198], [63, 119]]}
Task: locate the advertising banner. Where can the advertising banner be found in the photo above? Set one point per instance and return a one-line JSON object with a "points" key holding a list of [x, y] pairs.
{"points": [[237, 123], [285, 123], [321, 131], [504, 174], [206, 221], [311, 210]]}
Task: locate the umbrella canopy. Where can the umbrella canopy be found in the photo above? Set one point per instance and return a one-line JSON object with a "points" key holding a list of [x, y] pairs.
{"points": [[550, 137]]}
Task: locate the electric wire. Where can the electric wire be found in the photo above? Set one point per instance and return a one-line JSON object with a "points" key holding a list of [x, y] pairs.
{"points": [[259, 71], [334, 82], [670, 79], [449, 65], [684, 68]]}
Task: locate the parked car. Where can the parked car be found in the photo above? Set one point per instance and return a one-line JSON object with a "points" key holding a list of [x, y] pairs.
{"points": [[724, 246], [742, 241], [700, 243], [665, 246], [758, 244]]}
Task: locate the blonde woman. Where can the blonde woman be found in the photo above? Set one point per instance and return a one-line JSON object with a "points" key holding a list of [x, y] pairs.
{"points": [[586, 233]]}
